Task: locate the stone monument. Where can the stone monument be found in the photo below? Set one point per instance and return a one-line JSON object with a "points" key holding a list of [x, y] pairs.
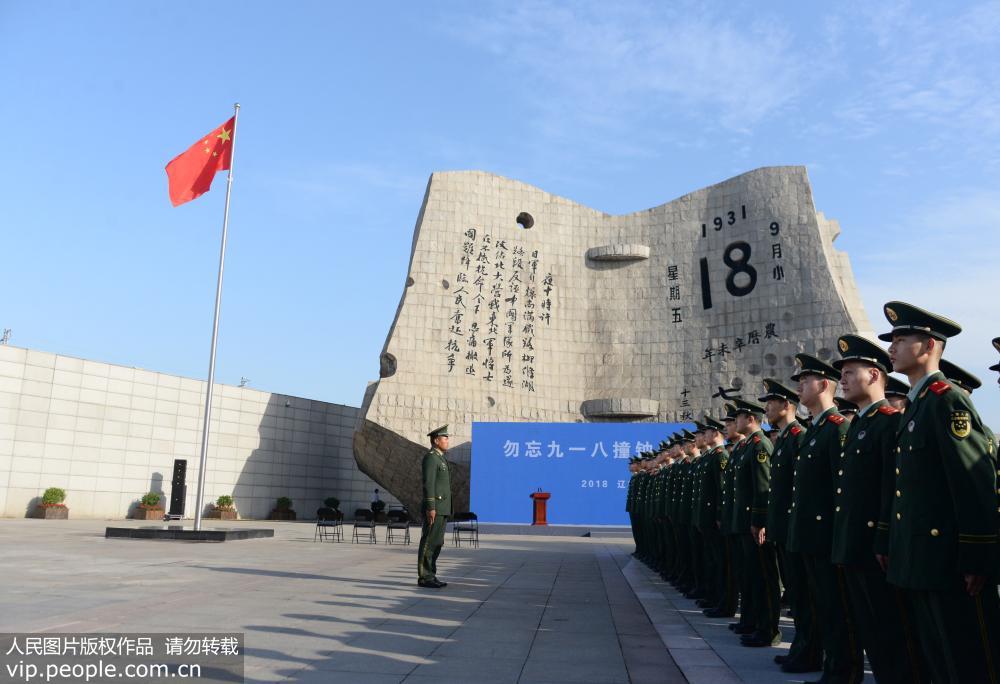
{"points": [[523, 306]]}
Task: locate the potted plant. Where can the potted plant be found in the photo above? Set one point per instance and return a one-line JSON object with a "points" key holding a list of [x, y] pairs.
{"points": [[149, 507], [223, 508], [52, 506], [332, 502], [282, 509]]}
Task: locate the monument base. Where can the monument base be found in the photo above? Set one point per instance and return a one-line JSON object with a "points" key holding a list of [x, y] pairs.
{"points": [[180, 533], [551, 530]]}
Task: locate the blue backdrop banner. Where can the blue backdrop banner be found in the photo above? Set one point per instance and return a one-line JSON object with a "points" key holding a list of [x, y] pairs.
{"points": [[583, 465]]}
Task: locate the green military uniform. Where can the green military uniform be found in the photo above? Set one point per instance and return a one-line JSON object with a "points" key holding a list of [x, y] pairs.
{"points": [[648, 504], [707, 514], [739, 526], [865, 471], [630, 505], [664, 526], [943, 518], [659, 550], [805, 652], [639, 509], [729, 588], [810, 531], [760, 577], [669, 534], [968, 382], [686, 581], [437, 497], [649, 524], [675, 486], [698, 591]]}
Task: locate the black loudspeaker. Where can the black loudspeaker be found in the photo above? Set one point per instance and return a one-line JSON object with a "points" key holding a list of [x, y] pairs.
{"points": [[178, 490]]}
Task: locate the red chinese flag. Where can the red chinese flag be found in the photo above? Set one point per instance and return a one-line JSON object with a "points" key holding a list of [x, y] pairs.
{"points": [[190, 174]]}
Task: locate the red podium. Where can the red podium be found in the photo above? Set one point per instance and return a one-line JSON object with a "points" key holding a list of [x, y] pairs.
{"points": [[540, 497]]}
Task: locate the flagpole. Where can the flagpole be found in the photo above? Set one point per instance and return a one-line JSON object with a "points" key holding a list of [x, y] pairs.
{"points": [[202, 467]]}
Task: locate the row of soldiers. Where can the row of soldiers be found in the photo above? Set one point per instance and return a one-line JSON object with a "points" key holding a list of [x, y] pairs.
{"points": [[881, 526]]}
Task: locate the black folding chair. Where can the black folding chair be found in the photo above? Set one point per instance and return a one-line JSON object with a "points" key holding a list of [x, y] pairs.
{"points": [[397, 530], [329, 525], [465, 528], [364, 519]]}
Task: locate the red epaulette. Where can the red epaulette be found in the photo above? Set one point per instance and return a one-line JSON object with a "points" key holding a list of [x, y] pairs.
{"points": [[939, 387], [888, 410], [756, 439], [795, 430], [836, 418]]}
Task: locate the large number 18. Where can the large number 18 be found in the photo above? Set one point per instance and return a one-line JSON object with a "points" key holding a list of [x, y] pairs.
{"points": [[736, 266]]}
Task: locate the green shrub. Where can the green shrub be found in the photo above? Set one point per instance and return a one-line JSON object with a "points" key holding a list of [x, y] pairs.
{"points": [[53, 495], [224, 501], [151, 500], [284, 503], [332, 502], [378, 506]]}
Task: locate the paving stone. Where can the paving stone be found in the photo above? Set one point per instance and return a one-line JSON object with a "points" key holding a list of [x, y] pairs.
{"points": [[520, 608]]}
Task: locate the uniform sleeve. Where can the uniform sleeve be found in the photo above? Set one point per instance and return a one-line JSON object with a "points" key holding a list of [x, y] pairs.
{"points": [[968, 467], [887, 451], [430, 480], [760, 465]]}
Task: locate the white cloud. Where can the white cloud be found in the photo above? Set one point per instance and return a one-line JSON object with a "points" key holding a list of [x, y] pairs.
{"points": [[612, 65], [917, 65]]}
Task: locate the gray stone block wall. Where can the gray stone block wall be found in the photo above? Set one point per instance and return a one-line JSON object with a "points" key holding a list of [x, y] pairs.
{"points": [[108, 434], [613, 339]]}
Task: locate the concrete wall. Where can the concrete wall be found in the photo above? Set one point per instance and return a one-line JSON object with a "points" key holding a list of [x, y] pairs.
{"points": [[108, 434]]}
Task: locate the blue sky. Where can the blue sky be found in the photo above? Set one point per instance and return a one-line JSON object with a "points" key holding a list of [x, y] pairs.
{"points": [[348, 107]]}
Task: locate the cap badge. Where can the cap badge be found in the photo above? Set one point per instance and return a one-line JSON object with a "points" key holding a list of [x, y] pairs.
{"points": [[891, 314], [843, 346]]}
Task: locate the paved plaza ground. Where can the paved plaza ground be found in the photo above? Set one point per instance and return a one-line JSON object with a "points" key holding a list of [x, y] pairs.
{"points": [[520, 608]]}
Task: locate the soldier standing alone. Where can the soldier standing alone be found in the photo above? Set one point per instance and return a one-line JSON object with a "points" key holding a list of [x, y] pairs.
{"points": [[436, 508]]}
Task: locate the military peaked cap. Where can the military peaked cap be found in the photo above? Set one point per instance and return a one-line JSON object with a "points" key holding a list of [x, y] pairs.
{"points": [[439, 432], [712, 424], [996, 345], [906, 318], [845, 406], [730, 413], [810, 365], [895, 386], [857, 348], [960, 376], [747, 406], [775, 390]]}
